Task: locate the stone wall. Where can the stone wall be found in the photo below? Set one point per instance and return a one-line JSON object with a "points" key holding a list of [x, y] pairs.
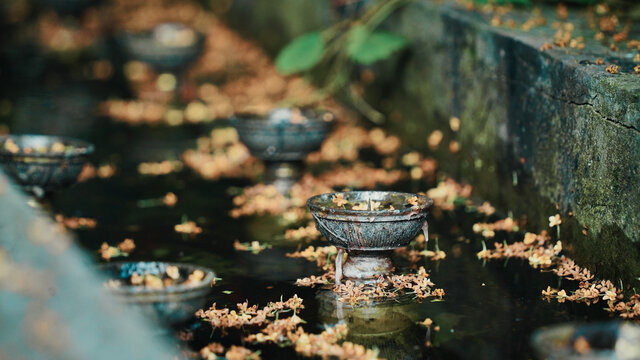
{"points": [[567, 129]]}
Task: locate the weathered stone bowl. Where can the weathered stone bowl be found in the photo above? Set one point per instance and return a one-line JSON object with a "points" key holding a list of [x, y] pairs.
{"points": [[40, 172], [369, 230], [369, 235], [283, 136], [167, 47], [171, 304]]}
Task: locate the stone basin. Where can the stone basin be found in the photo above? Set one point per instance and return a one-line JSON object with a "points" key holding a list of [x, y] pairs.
{"points": [[369, 235], [169, 304], [284, 134], [601, 340], [167, 47]]}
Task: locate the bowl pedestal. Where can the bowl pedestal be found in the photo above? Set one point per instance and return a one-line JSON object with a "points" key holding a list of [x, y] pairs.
{"points": [[282, 142], [363, 265], [283, 174]]}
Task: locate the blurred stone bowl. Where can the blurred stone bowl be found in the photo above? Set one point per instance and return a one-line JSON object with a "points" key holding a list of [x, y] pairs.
{"points": [[170, 304], [167, 47], [42, 163], [601, 340], [284, 134]]}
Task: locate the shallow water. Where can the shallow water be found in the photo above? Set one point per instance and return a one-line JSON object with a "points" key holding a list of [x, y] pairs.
{"points": [[489, 311]]}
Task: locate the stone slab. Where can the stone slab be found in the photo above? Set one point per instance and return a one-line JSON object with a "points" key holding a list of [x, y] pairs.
{"points": [[52, 302]]}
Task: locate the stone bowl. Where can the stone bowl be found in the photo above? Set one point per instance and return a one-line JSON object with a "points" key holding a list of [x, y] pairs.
{"points": [[369, 235], [31, 161], [167, 47], [171, 304], [369, 230], [613, 339], [285, 134]]}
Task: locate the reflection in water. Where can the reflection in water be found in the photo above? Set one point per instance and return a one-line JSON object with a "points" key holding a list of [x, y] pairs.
{"points": [[387, 326]]}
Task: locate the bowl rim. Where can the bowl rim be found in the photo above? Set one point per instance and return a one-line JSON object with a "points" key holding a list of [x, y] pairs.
{"points": [[82, 148], [127, 35], [313, 116], [425, 204], [127, 289]]}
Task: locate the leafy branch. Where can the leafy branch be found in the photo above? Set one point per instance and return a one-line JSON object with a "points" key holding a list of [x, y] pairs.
{"points": [[340, 47]]}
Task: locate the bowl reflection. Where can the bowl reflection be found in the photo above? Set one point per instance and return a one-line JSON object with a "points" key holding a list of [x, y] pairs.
{"points": [[387, 326]]}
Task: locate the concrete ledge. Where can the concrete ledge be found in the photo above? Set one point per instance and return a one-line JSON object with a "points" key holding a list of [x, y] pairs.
{"points": [[563, 126], [575, 126]]}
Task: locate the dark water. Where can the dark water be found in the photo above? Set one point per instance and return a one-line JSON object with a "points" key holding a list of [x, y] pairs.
{"points": [[490, 309], [489, 312]]}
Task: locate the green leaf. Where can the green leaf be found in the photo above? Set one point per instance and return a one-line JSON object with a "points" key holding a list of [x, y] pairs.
{"points": [[366, 47], [302, 53], [227, 292], [459, 201]]}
